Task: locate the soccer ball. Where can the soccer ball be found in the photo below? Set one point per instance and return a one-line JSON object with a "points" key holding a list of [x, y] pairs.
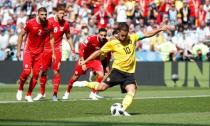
{"points": [[116, 109]]}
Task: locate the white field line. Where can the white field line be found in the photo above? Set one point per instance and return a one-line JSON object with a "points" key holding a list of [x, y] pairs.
{"points": [[83, 99]]}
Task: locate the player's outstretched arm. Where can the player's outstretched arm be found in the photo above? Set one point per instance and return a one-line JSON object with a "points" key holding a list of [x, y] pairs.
{"points": [[19, 43], [156, 31], [92, 56]]}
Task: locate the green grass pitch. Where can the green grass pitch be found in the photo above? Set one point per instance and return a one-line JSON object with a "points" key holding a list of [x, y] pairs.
{"points": [[152, 106]]}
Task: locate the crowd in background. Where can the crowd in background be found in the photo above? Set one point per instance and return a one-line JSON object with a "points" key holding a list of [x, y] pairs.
{"points": [[188, 39]]}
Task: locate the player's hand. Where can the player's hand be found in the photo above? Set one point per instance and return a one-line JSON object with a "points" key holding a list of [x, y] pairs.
{"points": [[164, 27], [73, 53], [84, 68], [82, 62], [53, 58], [107, 69], [18, 55]]}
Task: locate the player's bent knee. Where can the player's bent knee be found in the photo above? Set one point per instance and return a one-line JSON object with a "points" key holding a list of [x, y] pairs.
{"points": [[27, 71], [131, 88]]}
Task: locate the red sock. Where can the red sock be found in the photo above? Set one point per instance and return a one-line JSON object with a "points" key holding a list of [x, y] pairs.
{"points": [[23, 77], [32, 83], [43, 80], [31, 86], [69, 87], [56, 83], [99, 79]]}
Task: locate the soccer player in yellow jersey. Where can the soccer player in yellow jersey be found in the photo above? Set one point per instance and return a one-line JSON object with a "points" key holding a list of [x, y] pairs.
{"points": [[124, 64]]}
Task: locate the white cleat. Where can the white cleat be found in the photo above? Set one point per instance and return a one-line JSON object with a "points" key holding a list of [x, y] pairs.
{"points": [[39, 97], [28, 99], [80, 83], [126, 113], [65, 96], [54, 98], [19, 95], [93, 96]]}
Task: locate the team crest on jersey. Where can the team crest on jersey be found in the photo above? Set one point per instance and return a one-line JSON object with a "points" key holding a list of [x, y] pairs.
{"points": [[55, 29], [26, 66], [39, 32]]}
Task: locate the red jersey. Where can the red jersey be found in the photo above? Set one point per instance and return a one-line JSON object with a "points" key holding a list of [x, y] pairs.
{"points": [[58, 30], [90, 45], [36, 35]]}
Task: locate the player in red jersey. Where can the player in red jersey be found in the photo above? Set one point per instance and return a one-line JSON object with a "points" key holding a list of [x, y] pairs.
{"points": [[91, 44], [37, 30], [60, 27]]}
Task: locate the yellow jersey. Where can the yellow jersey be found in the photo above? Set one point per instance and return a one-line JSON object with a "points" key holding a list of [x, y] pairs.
{"points": [[124, 54]]}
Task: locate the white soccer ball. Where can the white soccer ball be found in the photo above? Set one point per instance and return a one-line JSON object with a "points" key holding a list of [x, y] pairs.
{"points": [[116, 109]]}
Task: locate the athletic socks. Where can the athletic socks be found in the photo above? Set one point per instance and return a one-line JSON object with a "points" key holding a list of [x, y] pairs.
{"points": [[23, 77], [56, 83], [92, 85], [127, 100], [69, 87], [43, 81]]}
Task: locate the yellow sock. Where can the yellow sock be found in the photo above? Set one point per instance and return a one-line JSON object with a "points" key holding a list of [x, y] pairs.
{"points": [[92, 85], [127, 100]]}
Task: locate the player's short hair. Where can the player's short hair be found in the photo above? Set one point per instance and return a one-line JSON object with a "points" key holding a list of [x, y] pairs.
{"points": [[123, 27], [60, 7], [115, 31], [42, 9], [102, 30]]}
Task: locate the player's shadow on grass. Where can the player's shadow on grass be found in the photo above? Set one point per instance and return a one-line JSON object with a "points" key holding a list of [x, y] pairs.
{"points": [[89, 113]]}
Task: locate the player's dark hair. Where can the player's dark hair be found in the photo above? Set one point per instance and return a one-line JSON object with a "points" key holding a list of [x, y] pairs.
{"points": [[102, 30], [123, 27], [115, 32], [60, 7], [42, 9]]}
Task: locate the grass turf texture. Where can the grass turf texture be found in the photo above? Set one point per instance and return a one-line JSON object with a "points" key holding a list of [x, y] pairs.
{"points": [[152, 106]]}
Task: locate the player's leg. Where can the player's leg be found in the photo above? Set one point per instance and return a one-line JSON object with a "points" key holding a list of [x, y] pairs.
{"points": [[69, 86], [110, 80], [76, 74], [24, 75], [128, 99], [97, 68], [56, 76], [129, 87], [36, 64], [46, 63], [94, 95]]}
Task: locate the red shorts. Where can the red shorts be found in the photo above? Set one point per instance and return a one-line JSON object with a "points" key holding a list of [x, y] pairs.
{"points": [[32, 61], [47, 60], [94, 65]]}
